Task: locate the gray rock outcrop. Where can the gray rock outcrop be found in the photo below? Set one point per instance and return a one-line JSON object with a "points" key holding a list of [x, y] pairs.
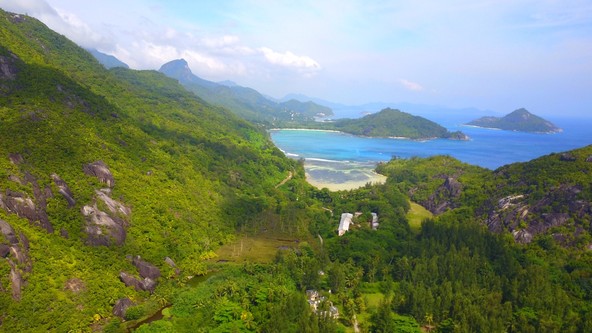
{"points": [[146, 269], [23, 206], [16, 158], [13, 249], [567, 157], [121, 307], [8, 67], [444, 198], [147, 284], [100, 170], [16, 281], [170, 262], [64, 190], [8, 232], [526, 219], [103, 229], [114, 206], [4, 250]]}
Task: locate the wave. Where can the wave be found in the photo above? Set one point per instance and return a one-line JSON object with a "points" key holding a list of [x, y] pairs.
{"points": [[364, 164], [304, 129], [325, 160]]}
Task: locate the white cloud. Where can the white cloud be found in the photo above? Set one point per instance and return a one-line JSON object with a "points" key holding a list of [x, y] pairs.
{"points": [[219, 42], [71, 25], [30, 7], [413, 86], [61, 21], [289, 59], [203, 61]]}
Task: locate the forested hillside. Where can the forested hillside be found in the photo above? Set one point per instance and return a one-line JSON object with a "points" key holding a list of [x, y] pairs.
{"points": [[127, 203], [390, 123], [97, 166], [245, 102]]}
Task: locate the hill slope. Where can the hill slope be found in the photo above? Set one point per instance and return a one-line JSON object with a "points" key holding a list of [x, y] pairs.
{"points": [[98, 167], [518, 120], [550, 193], [245, 102]]}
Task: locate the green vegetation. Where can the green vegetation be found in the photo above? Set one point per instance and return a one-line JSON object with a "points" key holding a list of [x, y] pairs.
{"points": [[518, 120], [387, 123], [257, 248], [505, 250], [394, 123], [416, 215]]}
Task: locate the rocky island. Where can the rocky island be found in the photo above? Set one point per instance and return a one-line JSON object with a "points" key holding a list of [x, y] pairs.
{"points": [[519, 120]]}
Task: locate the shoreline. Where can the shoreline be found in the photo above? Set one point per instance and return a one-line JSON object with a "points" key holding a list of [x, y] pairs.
{"points": [[334, 187], [560, 130], [373, 178], [356, 135], [306, 129]]}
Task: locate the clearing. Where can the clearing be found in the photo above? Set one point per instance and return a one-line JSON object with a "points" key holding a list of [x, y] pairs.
{"points": [[416, 215]]}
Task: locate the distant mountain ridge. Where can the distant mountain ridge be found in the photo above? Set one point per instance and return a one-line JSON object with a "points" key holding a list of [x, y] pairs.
{"points": [[433, 112], [243, 101], [107, 60], [519, 120]]}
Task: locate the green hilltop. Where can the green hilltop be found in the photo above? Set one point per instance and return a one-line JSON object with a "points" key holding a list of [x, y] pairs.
{"points": [[394, 123], [127, 203], [519, 120]]}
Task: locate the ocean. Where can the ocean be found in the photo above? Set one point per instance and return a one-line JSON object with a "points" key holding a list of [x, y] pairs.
{"points": [[334, 157]]}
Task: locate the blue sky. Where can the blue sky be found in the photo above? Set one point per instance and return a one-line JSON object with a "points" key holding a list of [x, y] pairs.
{"points": [[495, 55]]}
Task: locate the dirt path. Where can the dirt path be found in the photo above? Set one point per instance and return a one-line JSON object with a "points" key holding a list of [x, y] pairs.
{"points": [[290, 174]]}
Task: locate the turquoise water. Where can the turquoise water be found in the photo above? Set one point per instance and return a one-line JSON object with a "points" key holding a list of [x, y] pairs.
{"points": [[487, 148]]}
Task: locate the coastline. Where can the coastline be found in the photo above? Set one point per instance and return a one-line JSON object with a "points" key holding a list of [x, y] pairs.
{"points": [[559, 130], [305, 129], [360, 136], [375, 178]]}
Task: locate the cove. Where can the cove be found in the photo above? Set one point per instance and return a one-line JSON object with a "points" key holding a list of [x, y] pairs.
{"points": [[335, 159]]}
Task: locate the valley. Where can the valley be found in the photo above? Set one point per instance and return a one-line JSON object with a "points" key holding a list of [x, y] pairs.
{"points": [[130, 202]]}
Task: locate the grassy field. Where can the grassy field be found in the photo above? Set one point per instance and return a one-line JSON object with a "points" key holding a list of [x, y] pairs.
{"points": [[256, 248], [416, 215]]}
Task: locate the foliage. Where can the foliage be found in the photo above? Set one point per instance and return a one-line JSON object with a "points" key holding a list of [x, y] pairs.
{"points": [[194, 174], [391, 123], [191, 173]]}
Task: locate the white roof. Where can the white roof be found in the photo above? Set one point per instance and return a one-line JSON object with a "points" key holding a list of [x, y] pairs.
{"points": [[346, 219]]}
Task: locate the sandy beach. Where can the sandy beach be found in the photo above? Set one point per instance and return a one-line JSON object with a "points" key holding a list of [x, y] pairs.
{"points": [[373, 178]]}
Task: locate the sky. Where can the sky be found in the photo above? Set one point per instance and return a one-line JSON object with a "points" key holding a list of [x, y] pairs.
{"points": [[493, 55]]}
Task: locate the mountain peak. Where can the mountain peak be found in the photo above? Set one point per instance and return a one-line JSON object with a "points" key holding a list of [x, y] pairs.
{"points": [[179, 70], [178, 65]]}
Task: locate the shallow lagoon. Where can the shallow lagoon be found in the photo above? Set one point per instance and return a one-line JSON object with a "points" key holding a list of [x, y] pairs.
{"points": [[340, 161]]}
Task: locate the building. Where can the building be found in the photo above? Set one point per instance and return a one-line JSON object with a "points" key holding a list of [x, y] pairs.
{"points": [[346, 219], [374, 223], [318, 302]]}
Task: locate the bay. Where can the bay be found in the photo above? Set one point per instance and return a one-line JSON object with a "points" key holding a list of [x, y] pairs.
{"points": [[340, 161]]}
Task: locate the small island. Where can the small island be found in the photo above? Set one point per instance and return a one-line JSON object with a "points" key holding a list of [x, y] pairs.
{"points": [[390, 123], [519, 120]]}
